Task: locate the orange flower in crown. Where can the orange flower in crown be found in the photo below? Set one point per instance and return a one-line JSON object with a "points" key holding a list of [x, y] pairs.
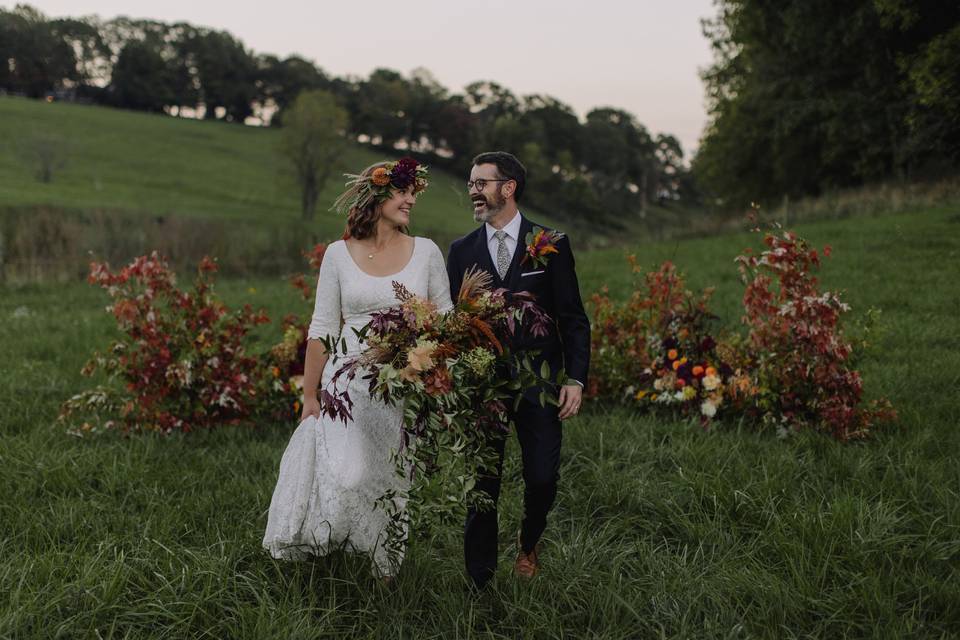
{"points": [[363, 191], [540, 244]]}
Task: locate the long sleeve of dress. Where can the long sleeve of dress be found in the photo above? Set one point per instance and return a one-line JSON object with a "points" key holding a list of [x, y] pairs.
{"points": [[326, 309], [439, 282]]}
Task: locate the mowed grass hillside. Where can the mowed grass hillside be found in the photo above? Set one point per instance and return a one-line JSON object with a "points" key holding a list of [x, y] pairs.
{"points": [[660, 529], [140, 163]]}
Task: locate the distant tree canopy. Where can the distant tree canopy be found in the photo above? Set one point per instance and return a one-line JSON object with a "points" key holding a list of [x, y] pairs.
{"points": [[37, 56], [808, 95], [607, 167]]}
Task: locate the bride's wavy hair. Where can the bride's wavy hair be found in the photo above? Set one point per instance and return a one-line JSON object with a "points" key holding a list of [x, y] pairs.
{"points": [[362, 220]]}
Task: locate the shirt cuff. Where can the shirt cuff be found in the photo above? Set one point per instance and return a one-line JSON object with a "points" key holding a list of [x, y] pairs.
{"points": [[569, 380]]}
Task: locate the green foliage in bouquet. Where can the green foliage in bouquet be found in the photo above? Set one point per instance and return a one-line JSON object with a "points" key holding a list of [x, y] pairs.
{"points": [[455, 377]]}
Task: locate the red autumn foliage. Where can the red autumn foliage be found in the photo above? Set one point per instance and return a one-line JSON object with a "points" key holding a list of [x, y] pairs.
{"points": [[183, 361], [659, 307], [792, 370], [801, 352], [314, 258]]}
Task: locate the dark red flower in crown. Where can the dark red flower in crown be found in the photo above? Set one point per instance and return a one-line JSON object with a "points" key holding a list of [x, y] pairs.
{"points": [[404, 173]]}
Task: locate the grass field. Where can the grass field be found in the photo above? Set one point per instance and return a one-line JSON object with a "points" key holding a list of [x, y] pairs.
{"points": [[660, 530], [143, 164], [134, 181]]}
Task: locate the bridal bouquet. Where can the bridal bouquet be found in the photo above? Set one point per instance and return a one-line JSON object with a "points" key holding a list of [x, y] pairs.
{"points": [[454, 375]]}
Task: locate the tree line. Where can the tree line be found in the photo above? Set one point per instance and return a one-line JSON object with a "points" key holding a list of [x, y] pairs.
{"points": [[605, 166], [812, 95], [803, 96]]}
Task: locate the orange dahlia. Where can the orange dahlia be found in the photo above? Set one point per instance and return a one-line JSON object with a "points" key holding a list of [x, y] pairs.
{"points": [[380, 177]]}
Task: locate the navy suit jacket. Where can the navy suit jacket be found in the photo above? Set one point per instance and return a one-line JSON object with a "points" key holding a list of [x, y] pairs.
{"points": [[567, 344]]}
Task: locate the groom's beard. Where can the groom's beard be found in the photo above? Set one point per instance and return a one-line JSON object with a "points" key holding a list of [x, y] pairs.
{"points": [[491, 206]]}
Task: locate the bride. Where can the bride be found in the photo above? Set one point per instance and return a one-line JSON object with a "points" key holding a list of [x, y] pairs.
{"points": [[332, 474]]}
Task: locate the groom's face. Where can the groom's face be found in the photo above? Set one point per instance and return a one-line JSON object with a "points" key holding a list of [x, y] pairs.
{"points": [[489, 201]]}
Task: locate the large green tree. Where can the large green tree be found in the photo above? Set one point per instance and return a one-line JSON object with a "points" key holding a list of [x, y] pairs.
{"points": [[380, 111], [141, 78], [224, 71], [280, 81], [806, 95], [425, 101], [82, 36], [312, 139], [35, 59], [177, 82]]}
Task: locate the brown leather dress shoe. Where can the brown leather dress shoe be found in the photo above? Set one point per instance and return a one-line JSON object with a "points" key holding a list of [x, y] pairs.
{"points": [[527, 564]]}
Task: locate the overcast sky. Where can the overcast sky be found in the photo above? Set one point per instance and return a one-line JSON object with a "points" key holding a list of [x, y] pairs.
{"points": [[642, 56]]}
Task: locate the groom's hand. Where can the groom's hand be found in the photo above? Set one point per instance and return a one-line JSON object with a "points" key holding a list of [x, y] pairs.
{"points": [[570, 397]]}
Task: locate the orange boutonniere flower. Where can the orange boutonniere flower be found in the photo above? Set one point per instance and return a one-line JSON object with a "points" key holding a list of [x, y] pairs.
{"points": [[540, 244]]}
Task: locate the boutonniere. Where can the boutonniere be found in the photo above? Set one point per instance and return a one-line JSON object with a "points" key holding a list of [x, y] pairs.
{"points": [[540, 244]]}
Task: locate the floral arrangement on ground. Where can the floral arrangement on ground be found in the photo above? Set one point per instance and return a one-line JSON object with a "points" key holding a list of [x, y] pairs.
{"points": [[184, 360], [793, 369]]}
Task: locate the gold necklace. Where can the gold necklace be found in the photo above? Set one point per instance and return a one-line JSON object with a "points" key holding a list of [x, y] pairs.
{"points": [[373, 253]]}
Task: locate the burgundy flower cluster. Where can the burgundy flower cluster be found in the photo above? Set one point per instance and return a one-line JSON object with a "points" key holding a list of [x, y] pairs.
{"points": [[404, 173]]}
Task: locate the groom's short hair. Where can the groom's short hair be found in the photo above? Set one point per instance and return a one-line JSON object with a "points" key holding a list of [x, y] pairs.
{"points": [[508, 167]]}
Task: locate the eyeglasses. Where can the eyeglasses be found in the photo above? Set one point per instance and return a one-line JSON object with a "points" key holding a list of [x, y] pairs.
{"points": [[481, 183]]}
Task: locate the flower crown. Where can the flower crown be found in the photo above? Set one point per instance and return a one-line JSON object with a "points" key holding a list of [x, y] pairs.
{"points": [[363, 191]]}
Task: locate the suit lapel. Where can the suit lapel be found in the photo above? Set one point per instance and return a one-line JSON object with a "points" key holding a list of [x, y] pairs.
{"points": [[513, 275]]}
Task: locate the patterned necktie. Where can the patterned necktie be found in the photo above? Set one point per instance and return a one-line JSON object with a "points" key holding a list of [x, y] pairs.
{"points": [[503, 256]]}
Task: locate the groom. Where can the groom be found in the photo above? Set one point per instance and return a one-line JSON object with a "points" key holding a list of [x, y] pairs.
{"points": [[496, 185]]}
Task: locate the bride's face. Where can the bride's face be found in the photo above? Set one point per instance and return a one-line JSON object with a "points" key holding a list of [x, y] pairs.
{"points": [[396, 209]]}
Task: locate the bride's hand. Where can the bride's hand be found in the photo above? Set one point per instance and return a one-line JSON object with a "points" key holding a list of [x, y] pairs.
{"points": [[311, 407]]}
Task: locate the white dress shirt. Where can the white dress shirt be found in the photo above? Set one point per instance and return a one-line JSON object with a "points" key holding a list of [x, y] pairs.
{"points": [[512, 230]]}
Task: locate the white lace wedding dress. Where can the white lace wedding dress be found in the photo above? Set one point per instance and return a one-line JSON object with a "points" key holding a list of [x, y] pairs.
{"points": [[331, 474]]}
